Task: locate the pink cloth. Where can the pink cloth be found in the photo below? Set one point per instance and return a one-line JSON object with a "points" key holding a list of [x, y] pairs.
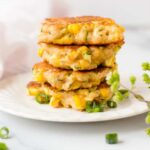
{"points": [[19, 26]]}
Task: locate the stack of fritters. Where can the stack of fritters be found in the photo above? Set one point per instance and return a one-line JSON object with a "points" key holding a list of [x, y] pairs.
{"points": [[78, 53]]}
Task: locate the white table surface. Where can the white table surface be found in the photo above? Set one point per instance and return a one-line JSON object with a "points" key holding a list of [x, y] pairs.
{"points": [[37, 135]]}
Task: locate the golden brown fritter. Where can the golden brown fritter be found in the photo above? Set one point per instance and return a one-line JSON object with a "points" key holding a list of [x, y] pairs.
{"points": [[85, 30], [79, 57], [75, 99], [67, 79]]}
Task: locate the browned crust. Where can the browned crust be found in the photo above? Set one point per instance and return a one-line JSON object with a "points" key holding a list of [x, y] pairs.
{"points": [[35, 84], [75, 47], [81, 20], [93, 30], [46, 67]]}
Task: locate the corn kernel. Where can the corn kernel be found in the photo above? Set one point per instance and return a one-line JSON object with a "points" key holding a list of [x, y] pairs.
{"points": [[84, 63], [55, 100], [65, 39], [32, 91], [72, 55], [40, 52], [74, 28], [79, 102], [104, 92], [38, 76], [83, 49], [56, 62]]}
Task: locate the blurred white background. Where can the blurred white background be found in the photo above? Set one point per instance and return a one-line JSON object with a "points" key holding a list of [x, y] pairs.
{"points": [[20, 22]]}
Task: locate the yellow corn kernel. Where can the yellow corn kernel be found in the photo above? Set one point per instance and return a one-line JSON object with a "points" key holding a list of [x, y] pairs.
{"points": [[32, 91], [56, 62], [79, 102], [104, 92], [66, 39], [40, 52], [72, 55], [39, 76], [84, 63], [75, 85], [55, 100], [83, 49], [74, 28]]}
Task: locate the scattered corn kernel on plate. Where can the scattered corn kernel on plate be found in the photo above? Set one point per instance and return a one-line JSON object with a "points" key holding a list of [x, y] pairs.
{"points": [[14, 99]]}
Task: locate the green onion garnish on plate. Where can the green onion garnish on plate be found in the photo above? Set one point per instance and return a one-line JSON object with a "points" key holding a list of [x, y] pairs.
{"points": [[112, 138], [111, 104], [94, 106], [3, 146], [4, 133], [42, 98]]}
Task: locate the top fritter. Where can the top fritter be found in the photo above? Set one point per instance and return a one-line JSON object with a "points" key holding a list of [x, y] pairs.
{"points": [[85, 30]]}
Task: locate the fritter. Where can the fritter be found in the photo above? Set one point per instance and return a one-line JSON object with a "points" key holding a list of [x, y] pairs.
{"points": [[84, 30], [67, 79], [79, 57], [75, 99]]}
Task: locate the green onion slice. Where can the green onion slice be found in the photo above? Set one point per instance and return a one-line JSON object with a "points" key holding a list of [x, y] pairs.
{"points": [[94, 106], [3, 146], [112, 138], [111, 104], [42, 98], [4, 133]]}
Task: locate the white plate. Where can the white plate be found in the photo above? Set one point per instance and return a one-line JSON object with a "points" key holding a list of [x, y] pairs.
{"points": [[14, 100]]}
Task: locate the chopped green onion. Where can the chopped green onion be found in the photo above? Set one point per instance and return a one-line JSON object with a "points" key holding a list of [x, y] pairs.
{"points": [[111, 104], [89, 52], [146, 78], [4, 133], [115, 86], [89, 110], [124, 92], [42, 98], [89, 106], [98, 107], [146, 66], [147, 119], [101, 107], [132, 81], [3, 146], [111, 138], [116, 76], [87, 57], [88, 103], [147, 131], [94, 107], [118, 97], [113, 78]]}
